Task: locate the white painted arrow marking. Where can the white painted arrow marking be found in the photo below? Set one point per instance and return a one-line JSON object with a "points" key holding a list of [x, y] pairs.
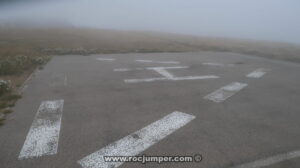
{"points": [[43, 135], [225, 92], [138, 141]]}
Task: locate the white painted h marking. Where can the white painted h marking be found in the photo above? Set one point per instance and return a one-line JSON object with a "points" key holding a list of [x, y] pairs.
{"points": [[166, 75]]}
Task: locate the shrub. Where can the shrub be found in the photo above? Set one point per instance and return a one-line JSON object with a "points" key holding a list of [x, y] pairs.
{"points": [[3, 105], [4, 86], [7, 111], [11, 97], [17, 64]]}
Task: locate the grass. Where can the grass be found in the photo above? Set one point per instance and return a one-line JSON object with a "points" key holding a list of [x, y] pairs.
{"points": [[7, 100], [11, 97], [7, 111], [3, 104], [18, 64]]}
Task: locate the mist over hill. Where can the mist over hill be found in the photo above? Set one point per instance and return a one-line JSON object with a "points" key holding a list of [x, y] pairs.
{"points": [[29, 23], [85, 41], [271, 20]]}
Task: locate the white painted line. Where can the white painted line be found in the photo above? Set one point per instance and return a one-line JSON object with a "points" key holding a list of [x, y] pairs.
{"points": [[138, 141], [195, 77], [144, 80], [172, 67], [257, 73], [25, 84], [270, 160], [161, 62], [66, 80], [170, 79], [148, 68], [225, 92], [43, 135], [105, 59], [163, 72], [167, 62], [22, 89], [166, 75]]}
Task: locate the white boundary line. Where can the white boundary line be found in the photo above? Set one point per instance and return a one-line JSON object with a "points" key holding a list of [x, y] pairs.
{"points": [[164, 72], [43, 136], [225, 92], [270, 160], [66, 80], [170, 79], [148, 68], [138, 141], [26, 82], [161, 62]]}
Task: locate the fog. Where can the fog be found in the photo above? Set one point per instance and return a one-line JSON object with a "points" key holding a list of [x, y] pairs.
{"points": [[274, 20]]}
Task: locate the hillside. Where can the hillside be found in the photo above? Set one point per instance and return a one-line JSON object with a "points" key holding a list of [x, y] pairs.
{"points": [[35, 42]]}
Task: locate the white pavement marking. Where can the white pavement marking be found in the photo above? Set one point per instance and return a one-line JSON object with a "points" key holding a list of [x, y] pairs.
{"points": [[163, 72], [172, 67], [170, 79], [138, 141], [105, 59], [25, 84], [43, 135], [225, 92], [166, 75], [148, 68], [270, 160], [257, 73], [161, 62], [66, 80]]}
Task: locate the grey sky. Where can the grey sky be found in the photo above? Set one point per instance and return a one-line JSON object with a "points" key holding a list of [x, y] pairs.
{"points": [[276, 20]]}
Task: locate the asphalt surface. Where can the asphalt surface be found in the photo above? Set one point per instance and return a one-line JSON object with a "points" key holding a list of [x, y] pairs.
{"points": [[260, 121]]}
